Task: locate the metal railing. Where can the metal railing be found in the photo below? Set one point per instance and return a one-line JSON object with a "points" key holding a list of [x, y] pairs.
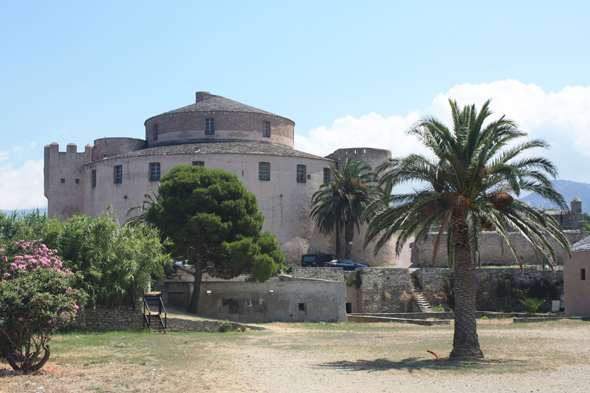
{"points": [[154, 300]]}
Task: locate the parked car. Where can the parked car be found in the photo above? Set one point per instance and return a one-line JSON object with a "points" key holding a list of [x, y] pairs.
{"points": [[315, 260], [346, 264]]}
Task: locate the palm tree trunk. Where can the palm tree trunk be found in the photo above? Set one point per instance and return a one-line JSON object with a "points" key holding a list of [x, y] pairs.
{"points": [[348, 236], [465, 341], [192, 307]]}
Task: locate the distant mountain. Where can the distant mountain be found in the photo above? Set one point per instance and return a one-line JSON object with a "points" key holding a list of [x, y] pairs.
{"points": [[42, 210], [569, 189]]}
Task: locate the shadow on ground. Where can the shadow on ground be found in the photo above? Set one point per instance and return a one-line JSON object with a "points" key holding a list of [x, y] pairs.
{"points": [[417, 364]]}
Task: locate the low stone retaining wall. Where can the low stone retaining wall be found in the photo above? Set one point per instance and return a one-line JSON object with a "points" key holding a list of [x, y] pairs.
{"points": [[101, 319], [182, 325], [451, 315], [534, 318], [374, 319], [497, 289]]}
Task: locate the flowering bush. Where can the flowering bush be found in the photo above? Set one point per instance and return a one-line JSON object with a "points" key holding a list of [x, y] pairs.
{"points": [[28, 256], [36, 299]]}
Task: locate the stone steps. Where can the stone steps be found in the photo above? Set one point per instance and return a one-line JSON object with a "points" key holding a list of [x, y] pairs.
{"points": [[421, 301]]}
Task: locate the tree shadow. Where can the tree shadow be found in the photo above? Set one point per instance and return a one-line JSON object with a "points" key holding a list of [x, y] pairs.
{"points": [[417, 364]]}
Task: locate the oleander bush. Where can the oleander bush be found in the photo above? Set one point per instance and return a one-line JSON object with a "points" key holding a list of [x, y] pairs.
{"points": [[36, 299]]}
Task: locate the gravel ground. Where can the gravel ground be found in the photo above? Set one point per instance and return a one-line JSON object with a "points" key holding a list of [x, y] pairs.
{"points": [[539, 357]]}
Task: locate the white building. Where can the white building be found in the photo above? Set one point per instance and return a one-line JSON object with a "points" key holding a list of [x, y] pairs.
{"points": [[215, 132]]}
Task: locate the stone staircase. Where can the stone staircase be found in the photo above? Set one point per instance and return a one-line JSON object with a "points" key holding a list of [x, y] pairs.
{"points": [[421, 301]]}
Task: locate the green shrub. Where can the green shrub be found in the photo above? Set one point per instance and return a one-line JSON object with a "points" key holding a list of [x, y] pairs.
{"points": [[116, 263], [36, 299], [354, 280], [532, 304], [228, 326]]}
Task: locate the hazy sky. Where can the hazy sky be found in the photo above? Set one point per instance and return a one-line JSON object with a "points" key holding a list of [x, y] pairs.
{"points": [[348, 73]]}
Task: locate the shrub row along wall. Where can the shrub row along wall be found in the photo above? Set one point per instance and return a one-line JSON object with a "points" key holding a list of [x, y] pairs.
{"points": [[491, 249], [497, 289], [102, 319]]}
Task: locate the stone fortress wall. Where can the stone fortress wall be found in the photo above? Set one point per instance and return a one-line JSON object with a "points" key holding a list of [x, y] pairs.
{"points": [[85, 183], [572, 222], [497, 289], [491, 249], [388, 290]]}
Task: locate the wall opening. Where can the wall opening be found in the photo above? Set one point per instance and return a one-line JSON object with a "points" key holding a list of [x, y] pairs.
{"points": [[301, 306], [583, 274], [348, 308]]}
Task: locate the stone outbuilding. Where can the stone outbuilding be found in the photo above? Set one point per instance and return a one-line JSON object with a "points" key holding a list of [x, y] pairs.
{"points": [[214, 132], [573, 219], [576, 281]]}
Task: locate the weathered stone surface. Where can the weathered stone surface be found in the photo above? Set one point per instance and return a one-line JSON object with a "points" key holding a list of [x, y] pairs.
{"points": [[383, 290], [491, 249], [110, 319], [497, 289], [319, 273]]}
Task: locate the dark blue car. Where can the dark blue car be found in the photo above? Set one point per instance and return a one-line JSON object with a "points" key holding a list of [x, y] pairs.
{"points": [[346, 264]]}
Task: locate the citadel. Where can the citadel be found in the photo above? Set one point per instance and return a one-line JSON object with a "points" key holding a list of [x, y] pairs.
{"points": [[214, 132], [257, 147]]}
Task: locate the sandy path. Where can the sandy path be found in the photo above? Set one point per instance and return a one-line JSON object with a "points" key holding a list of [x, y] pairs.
{"points": [[544, 357]]}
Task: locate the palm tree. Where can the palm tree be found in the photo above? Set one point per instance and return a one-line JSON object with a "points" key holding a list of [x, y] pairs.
{"points": [[470, 180], [342, 202], [151, 199]]}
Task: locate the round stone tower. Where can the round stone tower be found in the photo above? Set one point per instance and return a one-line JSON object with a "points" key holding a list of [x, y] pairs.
{"points": [[214, 118], [576, 205], [386, 255]]}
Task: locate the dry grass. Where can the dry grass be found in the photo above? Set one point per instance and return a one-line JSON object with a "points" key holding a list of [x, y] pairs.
{"points": [[319, 357]]}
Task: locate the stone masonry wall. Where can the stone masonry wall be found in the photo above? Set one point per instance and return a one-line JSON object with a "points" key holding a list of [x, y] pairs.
{"points": [[110, 319], [319, 273], [491, 249], [385, 290], [497, 289]]}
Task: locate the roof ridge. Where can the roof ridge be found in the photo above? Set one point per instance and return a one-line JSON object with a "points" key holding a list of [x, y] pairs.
{"points": [[218, 103]]}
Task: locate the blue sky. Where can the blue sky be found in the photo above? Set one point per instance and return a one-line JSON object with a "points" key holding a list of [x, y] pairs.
{"points": [[348, 73]]}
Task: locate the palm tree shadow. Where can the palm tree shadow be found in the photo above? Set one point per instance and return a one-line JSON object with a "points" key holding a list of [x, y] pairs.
{"points": [[416, 364]]}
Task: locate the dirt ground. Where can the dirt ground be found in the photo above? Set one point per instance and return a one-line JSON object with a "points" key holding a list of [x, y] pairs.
{"points": [[536, 357]]}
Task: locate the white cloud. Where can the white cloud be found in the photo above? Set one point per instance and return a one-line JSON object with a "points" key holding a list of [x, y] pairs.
{"points": [[371, 130], [4, 155], [21, 188], [562, 118]]}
